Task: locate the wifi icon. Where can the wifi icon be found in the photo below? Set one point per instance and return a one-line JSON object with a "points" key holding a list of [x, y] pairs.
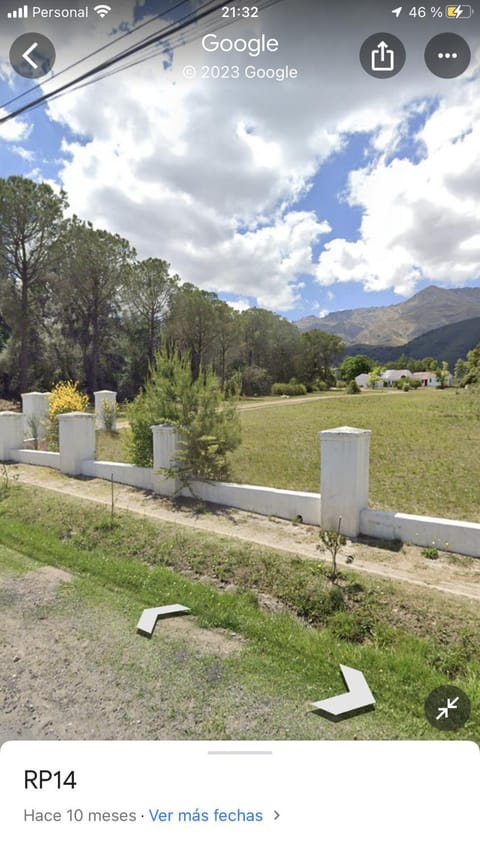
{"points": [[102, 9]]}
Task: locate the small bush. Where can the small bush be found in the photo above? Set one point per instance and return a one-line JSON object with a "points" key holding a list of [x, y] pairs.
{"points": [[349, 627], [340, 383], [430, 553], [316, 606], [107, 414], [279, 388], [353, 388], [256, 381], [406, 387], [320, 385], [64, 398]]}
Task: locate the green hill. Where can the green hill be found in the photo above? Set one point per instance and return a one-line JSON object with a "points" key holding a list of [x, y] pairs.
{"points": [[448, 343]]}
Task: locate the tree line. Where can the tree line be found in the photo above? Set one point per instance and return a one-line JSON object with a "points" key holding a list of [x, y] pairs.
{"points": [[77, 303]]}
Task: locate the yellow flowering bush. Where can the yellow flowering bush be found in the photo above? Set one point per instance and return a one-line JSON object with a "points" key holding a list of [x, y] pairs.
{"points": [[64, 397]]}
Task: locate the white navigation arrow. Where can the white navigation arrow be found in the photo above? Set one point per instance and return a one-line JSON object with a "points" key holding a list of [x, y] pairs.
{"points": [[26, 55], [148, 619], [358, 698]]}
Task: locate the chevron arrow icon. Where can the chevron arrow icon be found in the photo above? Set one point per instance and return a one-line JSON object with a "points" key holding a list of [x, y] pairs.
{"points": [[358, 697]]}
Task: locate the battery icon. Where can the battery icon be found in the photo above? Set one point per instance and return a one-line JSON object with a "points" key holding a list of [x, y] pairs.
{"points": [[459, 11]]}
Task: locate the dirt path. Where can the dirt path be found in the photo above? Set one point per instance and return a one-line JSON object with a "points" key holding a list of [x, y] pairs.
{"points": [[293, 401], [455, 575]]}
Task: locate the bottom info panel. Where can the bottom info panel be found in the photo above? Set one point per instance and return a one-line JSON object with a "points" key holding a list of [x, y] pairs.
{"points": [[239, 796]]}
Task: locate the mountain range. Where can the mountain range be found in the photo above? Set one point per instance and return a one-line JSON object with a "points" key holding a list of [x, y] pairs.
{"points": [[392, 326]]}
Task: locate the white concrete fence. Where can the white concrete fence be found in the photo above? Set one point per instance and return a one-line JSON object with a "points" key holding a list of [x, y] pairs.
{"points": [[343, 484]]}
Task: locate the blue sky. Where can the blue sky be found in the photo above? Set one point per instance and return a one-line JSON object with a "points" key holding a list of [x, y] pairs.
{"points": [[331, 191]]}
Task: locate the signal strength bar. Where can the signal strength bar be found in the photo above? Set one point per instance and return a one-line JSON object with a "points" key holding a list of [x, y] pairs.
{"points": [[22, 12]]}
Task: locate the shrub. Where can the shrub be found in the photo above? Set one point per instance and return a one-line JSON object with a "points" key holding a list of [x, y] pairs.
{"points": [[317, 605], [107, 415], [406, 387], [352, 387], [256, 381], [320, 385], [289, 389], [348, 626], [430, 553], [64, 398], [207, 422]]}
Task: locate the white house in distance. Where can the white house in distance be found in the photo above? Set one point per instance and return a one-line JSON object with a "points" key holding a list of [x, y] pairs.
{"points": [[429, 379], [391, 376], [362, 380]]}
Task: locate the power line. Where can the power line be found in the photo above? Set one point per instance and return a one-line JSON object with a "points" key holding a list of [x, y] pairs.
{"points": [[153, 40], [156, 52], [95, 52]]}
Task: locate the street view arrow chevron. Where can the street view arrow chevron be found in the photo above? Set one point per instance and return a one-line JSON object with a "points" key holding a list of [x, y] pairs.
{"points": [[358, 698], [148, 619]]}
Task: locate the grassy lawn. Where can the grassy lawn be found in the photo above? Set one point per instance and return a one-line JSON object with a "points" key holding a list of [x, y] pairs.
{"points": [[424, 455], [297, 626]]}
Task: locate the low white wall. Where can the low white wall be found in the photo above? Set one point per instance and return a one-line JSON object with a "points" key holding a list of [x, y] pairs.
{"points": [[129, 475], [460, 537], [37, 457], [281, 503]]}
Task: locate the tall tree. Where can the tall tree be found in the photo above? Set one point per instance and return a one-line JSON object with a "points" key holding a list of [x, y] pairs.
{"points": [[320, 352], [270, 342], [227, 337], [31, 225], [353, 365], [191, 325], [148, 293], [91, 278]]}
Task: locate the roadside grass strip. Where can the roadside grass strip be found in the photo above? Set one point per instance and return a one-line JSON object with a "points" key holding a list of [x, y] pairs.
{"points": [[285, 657]]}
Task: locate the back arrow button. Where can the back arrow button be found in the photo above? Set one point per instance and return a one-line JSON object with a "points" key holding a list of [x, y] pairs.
{"points": [[32, 55], [27, 53]]}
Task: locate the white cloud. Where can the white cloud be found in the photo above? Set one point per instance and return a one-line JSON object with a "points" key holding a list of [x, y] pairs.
{"points": [[14, 130], [239, 305], [205, 173], [419, 217], [29, 156]]}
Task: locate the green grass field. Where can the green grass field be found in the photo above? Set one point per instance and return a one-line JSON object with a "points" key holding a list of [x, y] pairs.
{"points": [[424, 453], [407, 641]]}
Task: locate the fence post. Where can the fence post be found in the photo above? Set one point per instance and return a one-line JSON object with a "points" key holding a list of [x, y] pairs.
{"points": [[35, 408], [165, 445], [76, 440], [102, 397], [344, 477], [11, 434]]}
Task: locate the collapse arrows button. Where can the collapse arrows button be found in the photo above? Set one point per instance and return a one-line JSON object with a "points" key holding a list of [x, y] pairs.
{"points": [[358, 698]]}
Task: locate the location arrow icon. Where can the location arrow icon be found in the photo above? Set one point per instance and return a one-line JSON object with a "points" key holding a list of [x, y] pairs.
{"points": [[359, 697], [148, 619]]}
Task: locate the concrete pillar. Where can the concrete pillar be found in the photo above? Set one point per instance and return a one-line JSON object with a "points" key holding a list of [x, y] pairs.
{"points": [[344, 477], [101, 397], [35, 408], [165, 445], [76, 440], [11, 434]]}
